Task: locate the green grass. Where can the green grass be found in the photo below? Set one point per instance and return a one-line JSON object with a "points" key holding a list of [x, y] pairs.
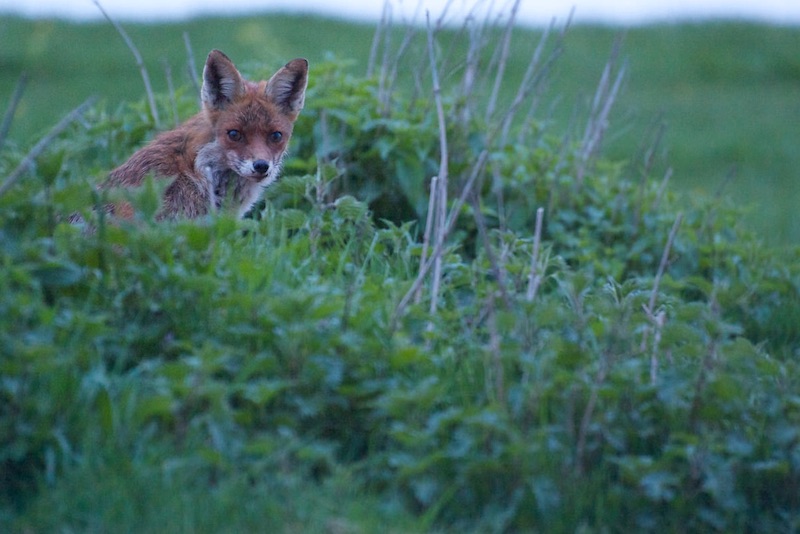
{"points": [[118, 494], [218, 375], [727, 92]]}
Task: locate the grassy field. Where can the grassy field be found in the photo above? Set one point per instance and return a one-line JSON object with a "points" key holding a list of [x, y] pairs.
{"points": [[543, 342], [726, 92]]}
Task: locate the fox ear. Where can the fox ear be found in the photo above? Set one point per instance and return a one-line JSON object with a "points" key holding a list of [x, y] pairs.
{"points": [[287, 87], [222, 83]]}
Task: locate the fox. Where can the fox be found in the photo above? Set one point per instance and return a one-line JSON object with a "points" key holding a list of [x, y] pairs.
{"points": [[230, 151]]}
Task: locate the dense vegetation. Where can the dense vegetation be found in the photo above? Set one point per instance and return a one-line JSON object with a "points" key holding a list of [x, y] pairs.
{"points": [[376, 347], [725, 93]]}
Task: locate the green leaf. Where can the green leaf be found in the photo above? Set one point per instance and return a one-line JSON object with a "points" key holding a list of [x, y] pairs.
{"points": [[58, 275]]}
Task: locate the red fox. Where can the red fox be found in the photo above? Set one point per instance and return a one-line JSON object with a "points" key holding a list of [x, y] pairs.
{"points": [[231, 150]]}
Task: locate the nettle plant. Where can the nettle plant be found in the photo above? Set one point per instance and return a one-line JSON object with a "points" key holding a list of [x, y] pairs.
{"points": [[490, 324]]}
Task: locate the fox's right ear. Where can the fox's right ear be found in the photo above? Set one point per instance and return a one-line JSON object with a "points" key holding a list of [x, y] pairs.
{"points": [[222, 83], [287, 87]]}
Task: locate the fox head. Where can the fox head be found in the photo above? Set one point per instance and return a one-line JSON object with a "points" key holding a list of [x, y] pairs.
{"points": [[252, 121]]}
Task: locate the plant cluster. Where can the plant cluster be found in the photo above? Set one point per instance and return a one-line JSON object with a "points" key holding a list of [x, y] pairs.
{"points": [[536, 339]]}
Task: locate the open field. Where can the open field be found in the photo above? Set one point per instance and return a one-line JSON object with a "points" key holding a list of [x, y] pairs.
{"points": [[726, 92], [510, 331]]}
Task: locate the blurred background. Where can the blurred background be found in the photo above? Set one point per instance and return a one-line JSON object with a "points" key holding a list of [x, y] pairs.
{"points": [[719, 78], [530, 11]]}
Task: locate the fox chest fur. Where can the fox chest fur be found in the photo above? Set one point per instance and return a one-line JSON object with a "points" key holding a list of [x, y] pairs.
{"points": [[230, 151]]}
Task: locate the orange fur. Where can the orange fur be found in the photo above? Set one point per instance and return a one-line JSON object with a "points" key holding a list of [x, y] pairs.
{"points": [[231, 150]]}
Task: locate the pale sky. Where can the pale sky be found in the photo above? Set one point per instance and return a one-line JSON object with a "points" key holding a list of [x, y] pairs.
{"points": [[531, 11]]}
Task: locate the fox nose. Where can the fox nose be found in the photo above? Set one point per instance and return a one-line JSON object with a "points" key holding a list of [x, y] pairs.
{"points": [[260, 166]]}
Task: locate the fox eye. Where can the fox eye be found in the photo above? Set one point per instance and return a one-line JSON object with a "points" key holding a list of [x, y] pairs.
{"points": [[275, 136], [234, 135]]}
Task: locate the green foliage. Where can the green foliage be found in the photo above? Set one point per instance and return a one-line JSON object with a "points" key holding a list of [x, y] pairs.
{"points": [[699, 79], [224, 375]]}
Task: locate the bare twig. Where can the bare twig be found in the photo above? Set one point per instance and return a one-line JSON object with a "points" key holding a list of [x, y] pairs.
{"points": [[658, 327], [497, 269], [663, 265], [530, 78], [439, 237], [662, 189], [43, 143], [470, 72], [139, 63], [501, 65], [5, 126], [383, 77], [391, 74], [659, 319], [190, 64], [729, 176], [476, 171], [604, 99], [376, 39], [651, 152], [426, 237], [586, 420], [497, 355], [535, 278], [441, 200], [171, 89], [706, 368]]}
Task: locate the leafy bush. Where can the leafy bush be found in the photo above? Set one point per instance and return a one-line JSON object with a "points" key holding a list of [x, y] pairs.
{"points": [[587, 384]]}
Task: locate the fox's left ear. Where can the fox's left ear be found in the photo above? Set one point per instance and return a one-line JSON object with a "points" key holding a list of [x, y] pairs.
{"points": [[287, 87], [222, 83]]}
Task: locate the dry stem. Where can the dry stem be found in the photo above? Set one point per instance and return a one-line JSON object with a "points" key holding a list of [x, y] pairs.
{"points": [[597, 124], [658, 320], [190, 64], [139, 63], [535, 278], [43, 143], [441, 197], [12, 107]]}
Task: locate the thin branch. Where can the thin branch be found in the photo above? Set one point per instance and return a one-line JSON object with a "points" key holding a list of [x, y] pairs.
{"points": [[5, 127], [470, 71], [389, 75], [729, 176], [663, 265], [383, 90], [662, 189], [528, 80], [658, 327], [190, 64], [586, 420], [171, 89], [441, 200], [535, 278], [496, 349], [475, 172], [376, 39], [501, 66], [426, 238], [44, 143], [604, 99], [658, 320], [497, 269], [439, 236], [477, 168], [139, 63]]}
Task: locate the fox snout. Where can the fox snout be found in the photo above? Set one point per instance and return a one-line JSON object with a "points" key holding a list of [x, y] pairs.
{"points": [[255, 169], [261, 166]]}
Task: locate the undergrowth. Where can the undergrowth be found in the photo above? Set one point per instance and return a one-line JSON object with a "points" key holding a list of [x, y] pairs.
{"points": [[376, 347]]}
